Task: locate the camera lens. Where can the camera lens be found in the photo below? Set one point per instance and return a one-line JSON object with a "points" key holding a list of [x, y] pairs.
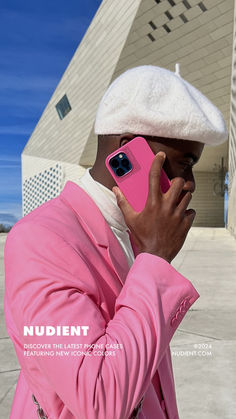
{"points": [[120, 172], [125, 163], [114, 163]]}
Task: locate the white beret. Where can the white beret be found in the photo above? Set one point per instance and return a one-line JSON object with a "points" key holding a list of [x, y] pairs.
{"points": [[149, 100]]}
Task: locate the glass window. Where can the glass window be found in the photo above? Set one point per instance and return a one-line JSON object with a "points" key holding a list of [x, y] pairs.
{"points": [[63, 107]]}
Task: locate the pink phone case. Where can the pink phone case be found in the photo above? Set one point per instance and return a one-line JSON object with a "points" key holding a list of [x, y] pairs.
{"points": [[135, 183]]}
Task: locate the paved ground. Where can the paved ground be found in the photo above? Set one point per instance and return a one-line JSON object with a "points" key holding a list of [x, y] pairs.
{"points": [[204, 346]]}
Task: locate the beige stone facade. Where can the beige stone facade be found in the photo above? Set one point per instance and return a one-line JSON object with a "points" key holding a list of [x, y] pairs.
{"points": [[123, 34], [232, 145]]}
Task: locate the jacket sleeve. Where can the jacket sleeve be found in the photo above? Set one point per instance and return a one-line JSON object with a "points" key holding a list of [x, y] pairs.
{"points": [[49, 283]]}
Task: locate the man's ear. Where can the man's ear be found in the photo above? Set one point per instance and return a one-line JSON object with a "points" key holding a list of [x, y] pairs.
{"points": [[125, 138]]}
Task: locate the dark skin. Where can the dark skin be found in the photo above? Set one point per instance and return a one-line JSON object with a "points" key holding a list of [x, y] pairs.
{"points": [[161, 228]]}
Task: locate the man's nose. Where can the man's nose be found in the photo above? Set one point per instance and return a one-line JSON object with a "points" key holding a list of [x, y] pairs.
{"points": [[189, 185]]}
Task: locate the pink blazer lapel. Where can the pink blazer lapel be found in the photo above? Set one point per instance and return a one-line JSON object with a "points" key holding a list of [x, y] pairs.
{"points": [[97, 227]]}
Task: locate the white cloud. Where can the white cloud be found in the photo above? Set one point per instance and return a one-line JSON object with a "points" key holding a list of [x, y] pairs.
{"points": [[10, 158], [16, 130], [8, 219], [10, 213], [10, 182], [24, 83], [9, 162]]}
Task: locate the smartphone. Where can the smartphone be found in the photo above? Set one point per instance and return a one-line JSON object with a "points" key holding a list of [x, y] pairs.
{"points": [[129, 165]]}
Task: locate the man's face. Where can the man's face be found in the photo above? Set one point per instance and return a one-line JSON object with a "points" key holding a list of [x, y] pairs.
{"points": [[181, 156]]}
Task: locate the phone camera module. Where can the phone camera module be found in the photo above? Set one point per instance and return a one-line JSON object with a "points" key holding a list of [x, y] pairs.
{"points": [[115, 163], [120, 164], [120, 171], [125, 163]]}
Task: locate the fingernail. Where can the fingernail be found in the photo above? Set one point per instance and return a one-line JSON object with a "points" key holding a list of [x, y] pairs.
{"points": [[116, 191], [162, 154]]}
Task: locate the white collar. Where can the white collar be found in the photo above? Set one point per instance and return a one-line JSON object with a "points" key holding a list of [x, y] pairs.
{"points": [[104, 199]]}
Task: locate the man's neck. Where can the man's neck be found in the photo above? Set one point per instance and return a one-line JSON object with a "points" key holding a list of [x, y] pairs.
{"points": [[100, 173]]}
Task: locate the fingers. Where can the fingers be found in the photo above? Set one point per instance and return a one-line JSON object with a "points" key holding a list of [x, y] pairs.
{"points": [[155, 177], [188, 215], [189, 218], [175, 190], [184, 202], [123, 204]]}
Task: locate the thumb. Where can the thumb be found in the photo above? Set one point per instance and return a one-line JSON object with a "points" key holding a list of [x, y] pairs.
{"points": [[122, 203]]}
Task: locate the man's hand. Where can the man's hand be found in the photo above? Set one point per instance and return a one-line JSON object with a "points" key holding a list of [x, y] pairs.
{"points": [[161, 228]]}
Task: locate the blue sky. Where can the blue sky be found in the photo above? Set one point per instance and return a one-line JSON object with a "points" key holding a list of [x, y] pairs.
{"points": [[37, 42]]}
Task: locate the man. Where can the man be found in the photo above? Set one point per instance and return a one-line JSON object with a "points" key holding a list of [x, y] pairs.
{"points": [[86, 259]]}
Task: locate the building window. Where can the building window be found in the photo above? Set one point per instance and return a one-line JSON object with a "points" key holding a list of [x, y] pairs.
{"points": [[150, 36], [63, 107], [168, 15], [186, 3], [183, 17], [202, 6], [167, 29], [152, 24]]}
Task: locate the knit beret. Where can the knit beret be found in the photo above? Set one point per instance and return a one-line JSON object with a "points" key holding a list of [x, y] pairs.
{"points": [[150, 100]]}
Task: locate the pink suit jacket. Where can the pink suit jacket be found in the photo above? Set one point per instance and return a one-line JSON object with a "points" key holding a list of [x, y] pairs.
{"points": [[64, 266]]}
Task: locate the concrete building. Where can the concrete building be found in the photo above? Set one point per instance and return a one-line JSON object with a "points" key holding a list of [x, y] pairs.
{"points": [[123, 34], [232, 143]]}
